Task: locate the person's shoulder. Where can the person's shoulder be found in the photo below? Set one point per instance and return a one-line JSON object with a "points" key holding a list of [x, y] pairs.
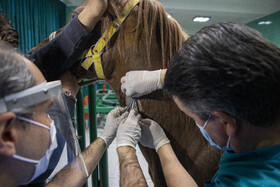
{"points": [[260, 167]]}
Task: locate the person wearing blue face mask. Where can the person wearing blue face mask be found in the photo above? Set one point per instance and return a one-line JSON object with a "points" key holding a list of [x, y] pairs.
{"points": [[226, 78], [208, 138], [29, 131]]}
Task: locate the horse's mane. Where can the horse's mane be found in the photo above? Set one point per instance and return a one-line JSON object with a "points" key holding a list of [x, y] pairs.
{"points": [[152, 21]]}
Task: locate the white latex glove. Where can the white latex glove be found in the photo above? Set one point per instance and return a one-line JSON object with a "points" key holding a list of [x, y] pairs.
{"points": [[129, 131], [138, 83], [153, 135], [113, 120]]}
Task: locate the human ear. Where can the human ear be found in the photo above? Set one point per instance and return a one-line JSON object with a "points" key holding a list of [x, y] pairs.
{"points": [[7, 134], [229, 122]]}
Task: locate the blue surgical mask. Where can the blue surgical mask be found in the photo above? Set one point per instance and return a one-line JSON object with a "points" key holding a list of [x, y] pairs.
{"points": [[207, 137]]}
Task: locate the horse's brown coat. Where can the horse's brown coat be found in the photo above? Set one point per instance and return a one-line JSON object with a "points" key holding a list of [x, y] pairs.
{"points": [[147, 40]]}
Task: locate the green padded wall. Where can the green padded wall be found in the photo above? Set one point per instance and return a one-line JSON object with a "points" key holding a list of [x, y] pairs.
{"points": [[34, 19], [69, 10]]}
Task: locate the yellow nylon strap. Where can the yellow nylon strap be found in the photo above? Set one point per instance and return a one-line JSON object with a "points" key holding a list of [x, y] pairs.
{"points": [[93, 55], [126, 11]]}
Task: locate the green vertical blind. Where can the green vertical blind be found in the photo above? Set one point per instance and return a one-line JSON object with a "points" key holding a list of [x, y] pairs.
{"points": [[34, 19]]}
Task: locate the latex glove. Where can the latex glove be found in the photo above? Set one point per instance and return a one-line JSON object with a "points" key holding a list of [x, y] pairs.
{"points": [[129, 131], [138, 83], [153, 135], [113, 120]]}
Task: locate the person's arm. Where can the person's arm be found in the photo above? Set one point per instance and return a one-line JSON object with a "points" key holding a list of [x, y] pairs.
{"points": [[154, 137], [92, 154], [70, 88], [128, 135], [92, 13], [139, 83], [174, 173], [130, 170], [76, 177], [95, 151], [59, 55]]}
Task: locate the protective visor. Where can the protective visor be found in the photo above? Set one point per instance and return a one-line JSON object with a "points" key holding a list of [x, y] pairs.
{"points": [[40, 103]]}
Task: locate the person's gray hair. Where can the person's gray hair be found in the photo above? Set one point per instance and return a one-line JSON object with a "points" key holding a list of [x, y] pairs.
{"points": [[15, 76]]}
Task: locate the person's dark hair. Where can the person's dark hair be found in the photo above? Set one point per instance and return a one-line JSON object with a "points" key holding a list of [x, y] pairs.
{"points": [[228, 67], [7, 31]]}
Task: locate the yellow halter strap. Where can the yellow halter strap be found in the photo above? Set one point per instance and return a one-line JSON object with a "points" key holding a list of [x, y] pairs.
{"points": [[93, 55]]}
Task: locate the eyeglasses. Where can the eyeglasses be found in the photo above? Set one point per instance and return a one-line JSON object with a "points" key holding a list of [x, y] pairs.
{"points": [[206, 122]]}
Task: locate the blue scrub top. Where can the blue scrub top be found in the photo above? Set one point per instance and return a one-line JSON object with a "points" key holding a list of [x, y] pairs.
{"points": [[260, 167]]}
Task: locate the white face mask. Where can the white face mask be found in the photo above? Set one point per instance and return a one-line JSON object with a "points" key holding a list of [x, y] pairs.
{"points": [[42, 164]]}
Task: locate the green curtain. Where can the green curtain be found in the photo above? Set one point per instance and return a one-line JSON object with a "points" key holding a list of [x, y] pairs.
{"points": [[34, 19]]}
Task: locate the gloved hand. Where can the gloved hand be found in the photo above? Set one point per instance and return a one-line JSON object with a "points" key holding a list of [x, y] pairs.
{"points": [[138, 83], [113, 120], [153, 135], [129, 131]]}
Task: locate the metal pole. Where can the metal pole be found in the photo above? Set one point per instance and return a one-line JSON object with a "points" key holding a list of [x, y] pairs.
{"points": [[92, 125], [104, 170], [81, 122]]}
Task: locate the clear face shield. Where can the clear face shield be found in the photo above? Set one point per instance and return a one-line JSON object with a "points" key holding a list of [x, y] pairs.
{"points": [[43, 106]]}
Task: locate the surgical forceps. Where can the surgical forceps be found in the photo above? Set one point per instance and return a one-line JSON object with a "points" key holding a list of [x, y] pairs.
{"points": [[131, 104]]}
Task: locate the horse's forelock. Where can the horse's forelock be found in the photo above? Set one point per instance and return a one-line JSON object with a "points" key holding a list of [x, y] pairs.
{"points": [[151, 21]]}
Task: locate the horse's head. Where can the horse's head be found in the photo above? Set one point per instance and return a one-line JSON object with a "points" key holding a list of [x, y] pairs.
{"points": [[147, 39]]}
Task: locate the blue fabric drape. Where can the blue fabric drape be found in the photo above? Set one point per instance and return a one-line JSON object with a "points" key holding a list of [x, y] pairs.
{"points": [[34, 19]]}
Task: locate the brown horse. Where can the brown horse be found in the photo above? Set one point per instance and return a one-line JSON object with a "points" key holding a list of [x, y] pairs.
{"points": [[147, 40]]}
